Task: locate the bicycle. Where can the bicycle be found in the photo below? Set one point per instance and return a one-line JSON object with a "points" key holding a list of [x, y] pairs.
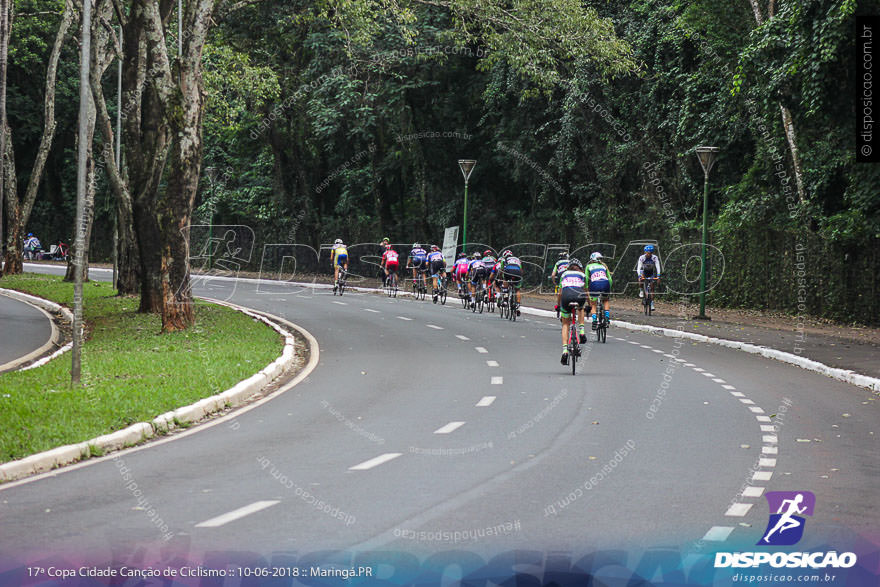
{"points": [[601, 325], [443, 285], [503, 303], [512, 305], [478, 298], [391, 285], [463, 295], [490, 299], [648, 300], [574, 347], [340, 282]]}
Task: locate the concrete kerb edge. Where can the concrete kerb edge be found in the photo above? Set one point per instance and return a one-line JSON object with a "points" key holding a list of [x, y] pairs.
{"points": [[845, 375], [137, 433], [49, 307]]}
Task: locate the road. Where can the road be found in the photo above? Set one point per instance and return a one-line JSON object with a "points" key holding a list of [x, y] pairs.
{"points": [[25, 330], [427, 429]]}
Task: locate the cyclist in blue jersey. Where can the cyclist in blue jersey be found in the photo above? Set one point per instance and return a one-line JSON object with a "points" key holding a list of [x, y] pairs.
{"points": [[511, 273], [417, 260], [436, 265], [572, 284], [558, 270], [477, 273], [491, 264], [600, 282]]}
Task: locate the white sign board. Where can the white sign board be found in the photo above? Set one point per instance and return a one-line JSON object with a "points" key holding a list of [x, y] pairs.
{"points": [[450, 242]]}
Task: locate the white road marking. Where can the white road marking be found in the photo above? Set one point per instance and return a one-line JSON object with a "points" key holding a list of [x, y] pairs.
{"points": [[486, 401], [434, 326], [738, 510], [236, 514], [372, 310], [717, 380], [341, 303], [762, 462], [746, 400], [405, 318], [769, 450], [737, 394], [756, 410], [728, 387], [689, 365], [375, 462], [644, 346], [461, 337], [698, 369], [707, 374], [480, 349], [632, 342], [451, 427], [492, 363], [497, 380], [770, 438], [762, 475], [752, 491], [768, 428], [763, 418], [656, 351], [718, 533], [680, 361]]}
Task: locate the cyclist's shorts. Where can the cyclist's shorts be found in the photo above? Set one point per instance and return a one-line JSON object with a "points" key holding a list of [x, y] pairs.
{"points": [[600, 286], [569, 295], [417, 262], [342, 259], [479, 275], [437, 268], [461, 272], [513, 276], [391, 267]]}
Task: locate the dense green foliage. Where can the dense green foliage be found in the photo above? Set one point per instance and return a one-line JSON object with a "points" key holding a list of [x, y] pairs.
{"points": [[348, 123]]}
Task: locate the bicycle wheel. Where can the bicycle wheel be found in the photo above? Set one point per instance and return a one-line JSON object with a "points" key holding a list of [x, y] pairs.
{"points": [[573, 344], [444, 291]]}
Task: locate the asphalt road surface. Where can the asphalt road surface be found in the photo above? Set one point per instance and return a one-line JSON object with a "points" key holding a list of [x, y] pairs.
{"points": [[426, 429], [23, 330]]}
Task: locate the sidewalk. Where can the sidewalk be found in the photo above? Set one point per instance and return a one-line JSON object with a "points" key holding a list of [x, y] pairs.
{"points": [[855, 348]]}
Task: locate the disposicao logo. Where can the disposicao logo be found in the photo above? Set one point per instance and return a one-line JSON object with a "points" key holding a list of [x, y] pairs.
{"points": [[786, 526]]}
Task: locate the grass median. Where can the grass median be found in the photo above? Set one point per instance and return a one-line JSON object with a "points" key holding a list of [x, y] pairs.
{"points": [[130, 372]]}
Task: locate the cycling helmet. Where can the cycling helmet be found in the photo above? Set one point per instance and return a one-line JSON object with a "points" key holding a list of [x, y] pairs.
{"points": [[460, 255], [649, 248], [476, 255], [507, 253], [574, 262], [337, 241], [487, 253], [563, 255], [386, 240], [595, 256], [416, 245], [30, 234], [435, 248]]}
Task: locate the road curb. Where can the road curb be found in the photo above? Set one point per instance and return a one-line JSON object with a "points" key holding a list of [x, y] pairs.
{"points": [[845, 375], [52, 311], [181, 417]]}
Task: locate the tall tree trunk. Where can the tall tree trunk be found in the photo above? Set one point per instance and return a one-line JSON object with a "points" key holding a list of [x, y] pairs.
{"points": [[4, 58], [12, 260], [787, 121]]}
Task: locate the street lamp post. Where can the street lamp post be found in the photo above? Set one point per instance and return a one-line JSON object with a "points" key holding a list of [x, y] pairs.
{"points": [[211, 172], [707, 157], [467, 166]]}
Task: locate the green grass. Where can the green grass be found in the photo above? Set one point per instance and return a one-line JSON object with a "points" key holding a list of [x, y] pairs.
{"points": [[130, 372]]}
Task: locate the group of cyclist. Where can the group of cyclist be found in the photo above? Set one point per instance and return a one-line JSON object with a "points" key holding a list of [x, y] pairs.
{"points": [[579, 286]]}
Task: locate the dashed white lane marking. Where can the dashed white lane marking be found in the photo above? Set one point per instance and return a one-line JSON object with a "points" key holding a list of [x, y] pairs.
{"points": [[448, 428], [486, 401], [632, 342], [461, 337], [434, 326], [644, 346], [756, 410], [497, 380], [738, 510], [717, 380], [746, 400], [709, 375], [769, 450], [236, 514], [689, 365], [492, 363], [375, 462], [668, 355], [372, 310], [768, 428], [480, 349], [762, 462], [770, 438], [677, 360], [728, 387], [753, 491], [657, 351], [698, 370], [341, 303], [763, 418], [737, 394], [405, 318], [762, 475], [718, 533]]}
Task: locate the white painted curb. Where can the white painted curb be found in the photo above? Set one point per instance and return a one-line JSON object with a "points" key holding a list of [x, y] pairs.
{"points": [[136, 433], [844, 375], [49, 307]]}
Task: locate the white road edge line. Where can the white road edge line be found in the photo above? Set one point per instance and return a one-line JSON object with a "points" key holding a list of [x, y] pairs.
{"points": [[375, 462], [236, 514]]}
